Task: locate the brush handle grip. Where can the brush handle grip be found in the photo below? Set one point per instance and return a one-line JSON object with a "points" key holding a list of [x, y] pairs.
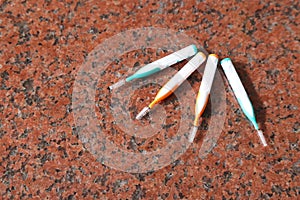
{"points": [[185, 72], [164, 62], [178, 78], [205, 87], [239, 90]]}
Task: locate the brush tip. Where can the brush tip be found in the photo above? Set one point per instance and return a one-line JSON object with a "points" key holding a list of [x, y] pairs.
{"points": [[193, 134], [142, 113], [262, 137], [117, 84]]}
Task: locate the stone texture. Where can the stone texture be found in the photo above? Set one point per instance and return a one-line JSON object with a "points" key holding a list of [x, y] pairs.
{"points": [[43, 44]]}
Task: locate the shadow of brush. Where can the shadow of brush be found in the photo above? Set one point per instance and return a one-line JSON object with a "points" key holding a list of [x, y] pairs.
{"points": [[260, 112]]}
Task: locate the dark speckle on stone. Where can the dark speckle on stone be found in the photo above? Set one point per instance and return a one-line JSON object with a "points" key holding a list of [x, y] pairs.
{"points": [[207, 183], [250, 157], [168, 176], [28, 85], [139, 193], [4, 75], [227, 176], [71, 197], [24, 34]]}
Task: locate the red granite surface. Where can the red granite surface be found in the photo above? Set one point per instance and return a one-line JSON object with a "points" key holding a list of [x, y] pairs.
{"points": [[43, 45]]}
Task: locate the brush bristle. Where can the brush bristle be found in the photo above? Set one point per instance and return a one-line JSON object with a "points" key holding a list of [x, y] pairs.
{"points": [[262, 138], [193, 134], [117, 84], [143, 113]]}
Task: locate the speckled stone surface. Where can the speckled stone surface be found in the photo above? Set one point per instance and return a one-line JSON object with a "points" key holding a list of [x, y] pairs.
{"points": [[44, 43]]}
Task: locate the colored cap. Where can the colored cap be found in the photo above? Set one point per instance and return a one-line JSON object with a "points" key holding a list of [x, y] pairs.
{"points": [[225, 60], [214, 55], [195, 48]]}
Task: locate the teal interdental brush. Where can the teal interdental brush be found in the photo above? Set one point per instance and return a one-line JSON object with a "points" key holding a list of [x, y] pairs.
{"points": [[159, 65], [241, 95]]}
